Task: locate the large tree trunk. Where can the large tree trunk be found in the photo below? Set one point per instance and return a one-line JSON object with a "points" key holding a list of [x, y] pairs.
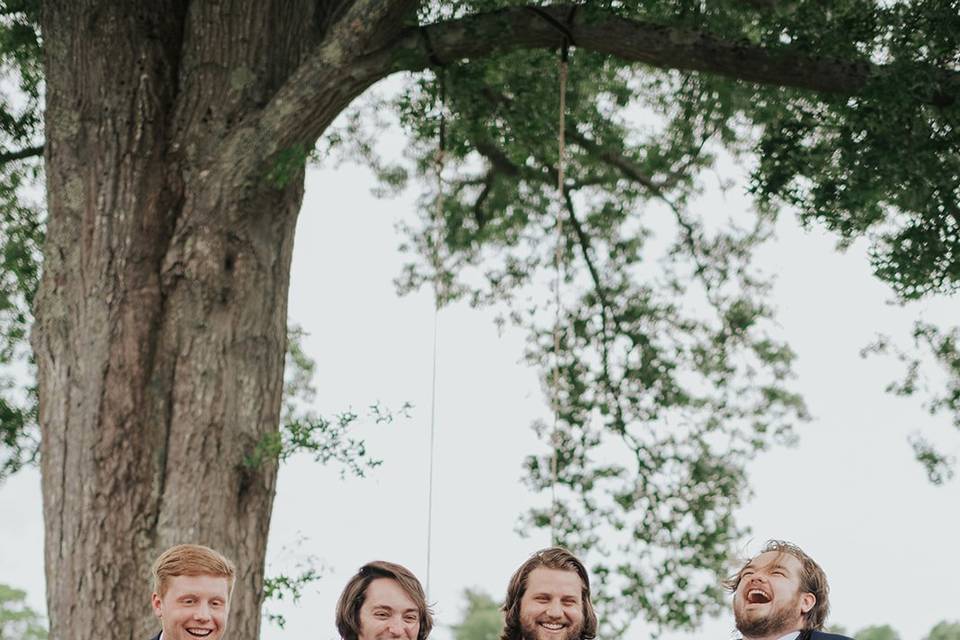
{"points": [[162, 311]]}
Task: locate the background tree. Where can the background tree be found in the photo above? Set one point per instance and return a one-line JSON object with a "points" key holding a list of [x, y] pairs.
{"points": [[17, 620], [945, 630], [21, 229], [175, 135], [482, 618], [877, 632]]}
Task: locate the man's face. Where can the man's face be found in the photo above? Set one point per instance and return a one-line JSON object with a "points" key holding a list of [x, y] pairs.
{"points": [[551, 607], [193, 607], [768, 601], [388, 612]]}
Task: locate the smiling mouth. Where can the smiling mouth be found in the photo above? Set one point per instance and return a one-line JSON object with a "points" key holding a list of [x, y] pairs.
{"points": [[551, 626], [199, 633], [756, 596]]}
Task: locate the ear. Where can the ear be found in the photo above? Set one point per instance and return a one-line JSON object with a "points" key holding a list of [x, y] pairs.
{"points": [[807, 602], [157, 603]]}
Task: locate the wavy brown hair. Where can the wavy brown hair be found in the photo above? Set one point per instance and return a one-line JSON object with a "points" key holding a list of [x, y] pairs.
{"points": [[812, 580], [348, 607], [550, 558]]}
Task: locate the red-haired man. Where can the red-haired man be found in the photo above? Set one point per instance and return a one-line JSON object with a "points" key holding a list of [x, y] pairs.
{"points": [[191, 592]]}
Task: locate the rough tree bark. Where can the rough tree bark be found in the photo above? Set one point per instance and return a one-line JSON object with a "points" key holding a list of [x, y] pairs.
{"points": [[161, 316], [162, 313]]}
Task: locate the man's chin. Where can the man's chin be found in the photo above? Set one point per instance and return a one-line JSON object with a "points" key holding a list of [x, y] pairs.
{"points": [[541, 633], [759, 625]]}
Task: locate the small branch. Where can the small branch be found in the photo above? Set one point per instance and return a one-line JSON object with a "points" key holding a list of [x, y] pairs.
{"points": [[478, 214], [583, 240], [628, 168], [29, 152], [498, 159], [632, 172]]}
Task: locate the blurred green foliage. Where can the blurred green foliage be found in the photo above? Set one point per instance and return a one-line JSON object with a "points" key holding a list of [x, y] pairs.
{"points": [[17, 620]]}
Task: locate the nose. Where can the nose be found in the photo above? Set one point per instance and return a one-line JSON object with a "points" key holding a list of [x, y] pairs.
{"points": [[395, 628], [554, 610], [755, 579], [202, 612]]}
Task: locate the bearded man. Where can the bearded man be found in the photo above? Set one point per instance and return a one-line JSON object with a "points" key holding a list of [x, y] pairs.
{"points": [[781, 594], [549, 599]]}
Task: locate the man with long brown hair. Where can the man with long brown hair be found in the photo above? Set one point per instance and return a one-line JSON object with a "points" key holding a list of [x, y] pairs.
{"points": [[383, 600], [781, 594], [549, 599]]}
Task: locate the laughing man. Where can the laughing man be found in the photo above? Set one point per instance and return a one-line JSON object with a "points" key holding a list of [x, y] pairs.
{"points": [[781, 594], [549, 599], [191, 592]]}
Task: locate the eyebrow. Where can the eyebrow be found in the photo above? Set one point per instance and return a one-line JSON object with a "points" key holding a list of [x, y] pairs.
{"points": [[752, 566], [386, 607], [535, 594]]}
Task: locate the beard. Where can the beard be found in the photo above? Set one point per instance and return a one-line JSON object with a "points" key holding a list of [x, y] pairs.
{"points": [[530, 631], [774, 622]]}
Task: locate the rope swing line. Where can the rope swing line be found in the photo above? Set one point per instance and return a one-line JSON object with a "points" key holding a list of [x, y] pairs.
{"points": [[558, 262], [438, 295], [558, 265]]}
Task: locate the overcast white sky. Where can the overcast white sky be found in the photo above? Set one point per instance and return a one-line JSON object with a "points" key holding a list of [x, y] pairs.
{"points": [[850, 493]]}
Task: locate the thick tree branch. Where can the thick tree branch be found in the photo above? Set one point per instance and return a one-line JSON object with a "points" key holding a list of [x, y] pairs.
{"points": [[657, 45], [370, 42], [350, 58], [29, 152]]}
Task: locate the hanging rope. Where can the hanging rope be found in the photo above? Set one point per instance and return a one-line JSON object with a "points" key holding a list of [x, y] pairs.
{"points": [[566, 30], [558, 267], [438, 294]]}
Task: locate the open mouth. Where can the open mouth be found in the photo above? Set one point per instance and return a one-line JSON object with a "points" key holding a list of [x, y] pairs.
{"points": [[551, 626], [756, 596], [199, 633]]}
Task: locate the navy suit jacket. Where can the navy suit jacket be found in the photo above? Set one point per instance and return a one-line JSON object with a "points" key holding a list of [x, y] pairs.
{"points": [[809, 634]]}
